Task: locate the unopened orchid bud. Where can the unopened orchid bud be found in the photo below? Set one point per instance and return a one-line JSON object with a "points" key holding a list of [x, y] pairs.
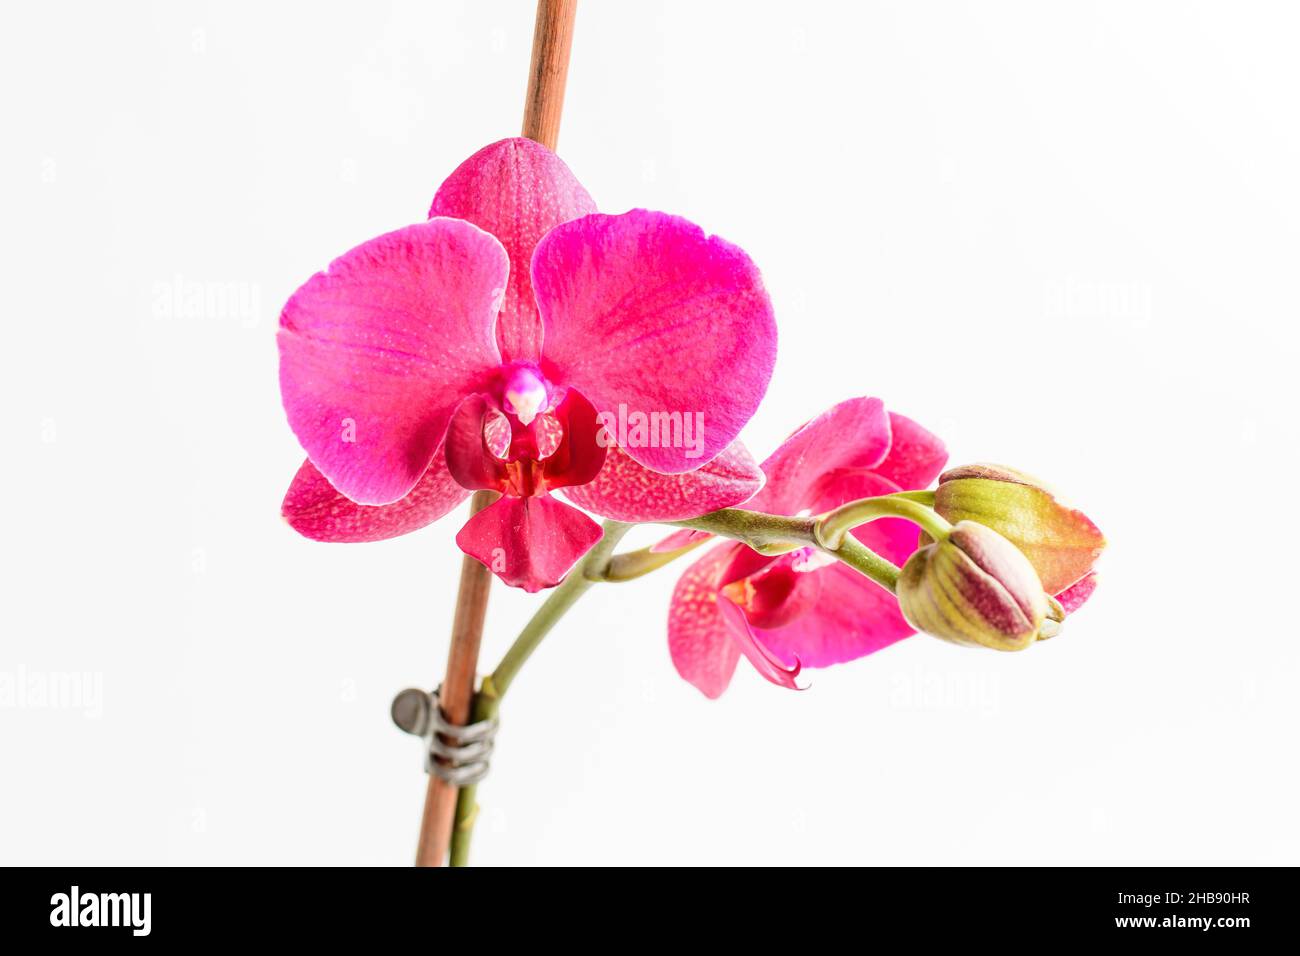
{"points": [[975, 588], [1061, 543]]}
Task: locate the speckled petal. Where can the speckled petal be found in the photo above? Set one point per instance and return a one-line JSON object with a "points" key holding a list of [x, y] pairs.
{"points": [[627, 491], [701, 649], [314, 509], [517, 190]]}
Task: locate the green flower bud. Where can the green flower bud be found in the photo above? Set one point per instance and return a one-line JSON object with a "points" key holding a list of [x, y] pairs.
{"points": [[1062, 544], [977, 589]]}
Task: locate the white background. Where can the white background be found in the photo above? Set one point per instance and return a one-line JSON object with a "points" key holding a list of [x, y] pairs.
{"points": [[1064, 236]]}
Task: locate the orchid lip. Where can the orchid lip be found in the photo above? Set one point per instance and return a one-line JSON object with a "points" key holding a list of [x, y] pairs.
{"points": [[776, 594]]}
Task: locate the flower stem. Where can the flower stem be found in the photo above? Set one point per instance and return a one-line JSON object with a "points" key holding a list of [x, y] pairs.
{"points": [[590, 570], [634, 564], [775, 534], [920, 497], [547, 74], [765, 533], [487, 702], [833, 528], [865, 561]]}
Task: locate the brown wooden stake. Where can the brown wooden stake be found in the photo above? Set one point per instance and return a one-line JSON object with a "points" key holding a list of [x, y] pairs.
{"points": [[552, 40], [457, 692]]}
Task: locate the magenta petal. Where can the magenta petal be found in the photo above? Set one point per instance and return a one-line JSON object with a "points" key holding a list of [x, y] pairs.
{"points": [[580, 456], [916, 457], [468, 459], [702, 621], [529, 543], [851, 435], [517, 190], [627, 491], [316, 510], [764, 662], [853, 618], [778, 593], [1073, 597], [645, 312], [702, 651], [377, 350]]}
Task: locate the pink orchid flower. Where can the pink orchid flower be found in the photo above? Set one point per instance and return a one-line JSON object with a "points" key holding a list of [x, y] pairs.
{"points": [[805, 608], [488, 348]]}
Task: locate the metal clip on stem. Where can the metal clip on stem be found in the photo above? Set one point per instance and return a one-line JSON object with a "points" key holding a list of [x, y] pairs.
{"points": [[457, 754]]}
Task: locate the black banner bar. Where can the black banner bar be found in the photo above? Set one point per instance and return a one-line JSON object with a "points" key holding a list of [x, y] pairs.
{"points": [[1173, 907]]}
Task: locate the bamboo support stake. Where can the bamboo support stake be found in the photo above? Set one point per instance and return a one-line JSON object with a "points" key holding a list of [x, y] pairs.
{"points": [[552, 41], [457, 693]]}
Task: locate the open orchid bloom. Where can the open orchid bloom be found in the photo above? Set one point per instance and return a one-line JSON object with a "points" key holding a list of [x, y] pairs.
{"points": [[805, 608], [505, 344]]}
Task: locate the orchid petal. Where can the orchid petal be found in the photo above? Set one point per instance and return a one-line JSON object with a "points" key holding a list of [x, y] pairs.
{"points": [[627, 491], [644, 311], [470, 458], [377, 350], [518, 190], [531, 542], [702, 651], [316, 510], [707, 632], [851, 435], [579, 457], [781, 592], [916, 456], [764, 661], [854, 617]]}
